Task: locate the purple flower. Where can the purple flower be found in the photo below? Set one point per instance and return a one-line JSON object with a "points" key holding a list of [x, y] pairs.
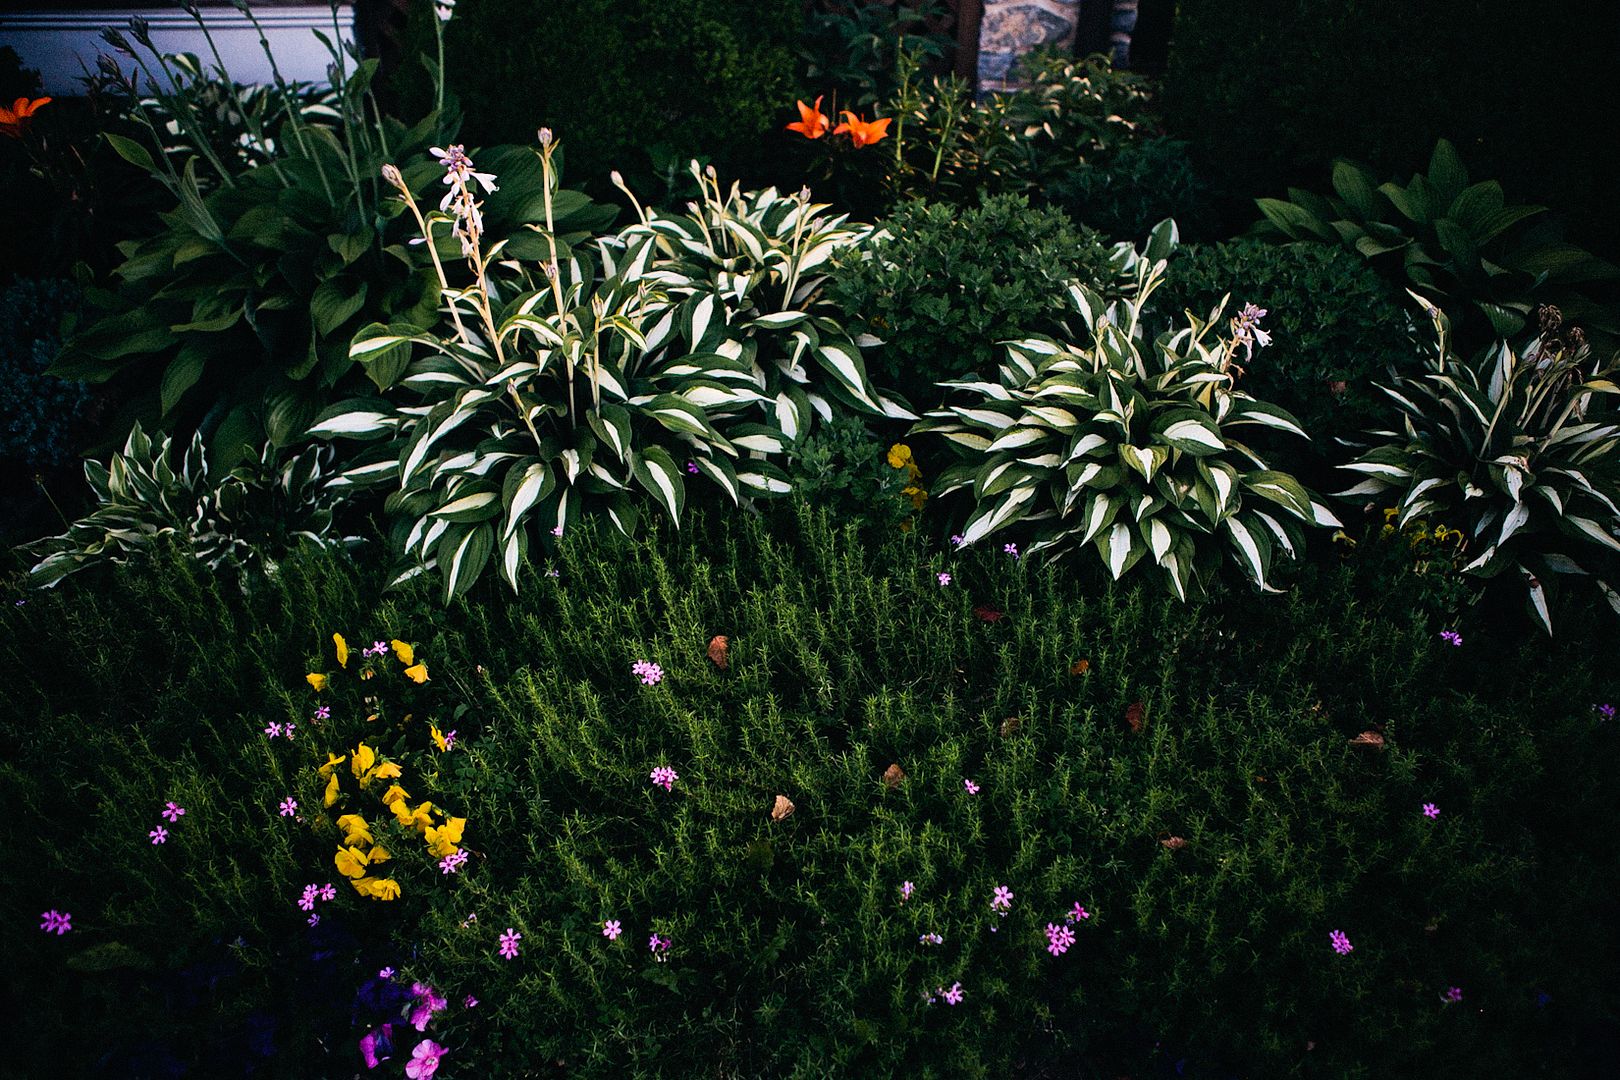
{"points": [[377, 1045], [954, 995], [1452, 995], [944, 578], [173, 812], [1078, 913], [1341, 943], [450, 739], [611, 929], [930, 938], [427, 1002], [509, 943], [658, 946], [691, 467], [972, 788], [323, 713], [469, 920], [470, 1001], [424, 1060], [956, 540], [906, 889], [452, 862], [1010, 549], [328, 891], [290, 726], [1058, 939], [557, 531], [648, 672], [56, 922], [307, 901], [376, 648], [273, 729], [553, 573], [1451, 637], [1606, 711], [314, 920], [1002, 899], [1430, 810], [664, 777], [289, 806], [386, 973], [159, 835]]}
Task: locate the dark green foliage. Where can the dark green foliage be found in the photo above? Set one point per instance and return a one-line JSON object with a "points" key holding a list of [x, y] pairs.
{"points": [[1332, 320], [615, 77], [1140, 185], [793, 954], [1271, 90], [851, 52], [39, 415], [947, 284], [843, 468]]}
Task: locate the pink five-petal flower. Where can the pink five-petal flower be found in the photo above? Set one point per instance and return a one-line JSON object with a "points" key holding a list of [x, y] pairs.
{"points": [[1001, 899], [172, 812], [1078, 913], [1430, 810], [944, 577], [289, 806], [1058, 939], [159, 835], [424, 1060], [377, 1045], [906, 889], [972, 788], [611, 929], [1341, 942], [509, 943], [954, 995]]}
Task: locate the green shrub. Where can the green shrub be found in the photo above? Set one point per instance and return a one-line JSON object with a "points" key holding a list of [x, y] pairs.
{"points": [[941, 286], [42, 415], [1335, 325], [616, 77], [1141, 184], [793, 952], [846, 470]]}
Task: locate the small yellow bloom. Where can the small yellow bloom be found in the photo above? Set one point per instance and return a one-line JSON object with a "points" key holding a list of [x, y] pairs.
{"points": [[377, 888], [438, 738], [342, 650], [332, 762], [317, 680], [378, 854], [917, 495], [899, 456], [350, 862], [417, 674], [355, 829], [403, 650], [442, 841], [388, 770], [364, 758], [331, 791], [393, 795], [421, 819]]}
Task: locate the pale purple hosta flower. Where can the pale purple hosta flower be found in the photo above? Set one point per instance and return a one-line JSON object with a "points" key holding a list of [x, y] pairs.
{"points": [[1341, 942], [1058, 939], [509, 943], [906, 889], [664, 777], [461, 200], [1246, 330]]}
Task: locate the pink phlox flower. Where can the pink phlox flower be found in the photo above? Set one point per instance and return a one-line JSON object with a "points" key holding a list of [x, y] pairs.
{"points": [[954, 995], [956, 540], [557, 531], [377, 1045], [323, 713], [427, 1002], [1606, 711], [173, 811], [289, 806], [450, 739], [664, 777], [649, 673], [307, 901], [56, 922], [906, 889], [509, 943], [1058, 939], [1341, 942], [1430, 810], [691, 467], [452, 862], [611, 929], [1002, 899], [1010, 549], [1451, 637], [386, 973], [314, 920], [470, 1001], [972, 788], [424, 1060], [159, 835], [930, 938], [376, 648], [658, 944], [273, 729], [1452, 995], [944, 577], [290, 727], [1078, 913], [471, 918], [328, 891]]}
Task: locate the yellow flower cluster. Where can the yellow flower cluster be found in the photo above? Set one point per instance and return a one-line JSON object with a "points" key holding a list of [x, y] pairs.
{"points": [[360, 850], [900, 458], [403, 652]]}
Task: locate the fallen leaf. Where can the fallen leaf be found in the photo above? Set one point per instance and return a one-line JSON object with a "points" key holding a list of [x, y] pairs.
{"points": [[1010, 725], [719, 646], [1174, 843], [988, 613], [893, 775], [1369, 738], [784, 806], [1133, 716], [1080, 667]]}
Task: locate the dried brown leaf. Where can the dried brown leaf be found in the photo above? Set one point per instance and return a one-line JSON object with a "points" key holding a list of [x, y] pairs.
{"points": [[1369, 738], [1080, 667], [719, 648], [1174, 843], [893, 775], [988, 613], [784, 806], [1133, 716], [1010, 725]]}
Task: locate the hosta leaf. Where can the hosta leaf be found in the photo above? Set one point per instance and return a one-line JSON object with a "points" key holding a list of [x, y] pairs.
{"points": [[998, 512], [1252, 546], [656, 471], [461, 556]]}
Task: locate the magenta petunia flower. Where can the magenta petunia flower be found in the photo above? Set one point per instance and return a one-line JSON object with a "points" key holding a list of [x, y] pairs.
{"points": [[1002, 899], [972, 788], [159, 835], [944, 577], [470, 1001], [664, 777], [1341, 942], [1451, 637], [1058, 939], [289, 806], [376, 1045], [611, 929], [1078, 913], [56, 922], [427, 1001], [509, 943], [173, 811], [1430, 810], [424, 1060], [954, 995]]}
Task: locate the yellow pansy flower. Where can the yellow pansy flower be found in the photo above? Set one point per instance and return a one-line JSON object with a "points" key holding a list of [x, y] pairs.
{"points": [[899, 456], [377, 888], [331, 795], [438, 738], [342, 650], [417, 673], [393, 795], [332, 762], [364, 758], [442, 841], [403, 650], [419, 819], [317, 680], [377, 854], [386, 771], [355, 829], [350, 862]]}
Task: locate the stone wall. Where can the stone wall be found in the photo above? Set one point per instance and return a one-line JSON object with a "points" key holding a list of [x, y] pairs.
{"points": [[1011, 28]]}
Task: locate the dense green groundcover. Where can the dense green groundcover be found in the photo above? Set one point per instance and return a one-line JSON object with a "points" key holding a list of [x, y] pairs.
{"points": [[794, 952]]}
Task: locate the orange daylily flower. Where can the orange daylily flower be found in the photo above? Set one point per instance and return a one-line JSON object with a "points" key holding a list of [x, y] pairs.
{"points": [[813, 123], [15, 120], [863, 132]]}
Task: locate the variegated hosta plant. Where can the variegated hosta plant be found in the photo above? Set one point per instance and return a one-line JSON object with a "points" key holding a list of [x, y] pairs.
{"points": [[574, 387], [1521, 453], [1132, 448], [742, 273]]}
